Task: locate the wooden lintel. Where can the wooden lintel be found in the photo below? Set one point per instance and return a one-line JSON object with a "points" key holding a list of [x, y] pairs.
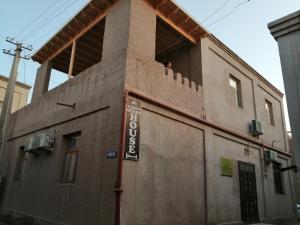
{"points": [[176, 27], [78, 35]]}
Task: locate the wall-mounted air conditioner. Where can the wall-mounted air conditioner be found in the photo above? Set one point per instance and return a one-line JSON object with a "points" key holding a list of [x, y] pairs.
{"points": [[270, 156], [39, 142], [256, 128]]}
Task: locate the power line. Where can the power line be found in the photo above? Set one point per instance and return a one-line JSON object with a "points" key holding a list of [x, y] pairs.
{"points": [[228, 14], [49, 19], [35, 19], [46, 34], [216, 11]]}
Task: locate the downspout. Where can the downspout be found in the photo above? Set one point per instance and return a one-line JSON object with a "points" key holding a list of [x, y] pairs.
{"points": [[118, 186], [264, 173]]}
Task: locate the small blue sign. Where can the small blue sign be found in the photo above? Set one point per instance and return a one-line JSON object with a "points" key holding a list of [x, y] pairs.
{"points": [[111, 154]]}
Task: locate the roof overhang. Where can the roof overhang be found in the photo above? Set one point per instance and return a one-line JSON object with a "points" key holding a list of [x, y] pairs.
{"points": [[96, 10]]}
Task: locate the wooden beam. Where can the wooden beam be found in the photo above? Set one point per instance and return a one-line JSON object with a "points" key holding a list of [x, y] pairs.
{"points": [[177, 28], [184, 21], [173, 12], [159, 4], [78, 22], [79, 34], [94, 7], [193, 29], [87, 16], [65, 34], [70, 72]]}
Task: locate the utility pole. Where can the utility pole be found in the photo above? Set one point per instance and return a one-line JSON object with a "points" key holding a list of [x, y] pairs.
{"points": [[9, 93]]}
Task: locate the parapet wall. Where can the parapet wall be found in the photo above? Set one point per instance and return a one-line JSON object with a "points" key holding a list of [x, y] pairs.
{"points": [[173, 88], [90, 90]]}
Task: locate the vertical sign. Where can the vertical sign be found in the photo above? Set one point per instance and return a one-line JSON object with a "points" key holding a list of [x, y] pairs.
{"points": [[132, 141]]}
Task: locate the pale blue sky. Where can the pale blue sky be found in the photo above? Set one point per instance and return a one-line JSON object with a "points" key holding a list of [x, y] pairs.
{"points": [[244, 31]]}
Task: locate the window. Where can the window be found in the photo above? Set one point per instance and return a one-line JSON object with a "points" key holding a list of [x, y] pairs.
{"points": [[70, 157], [278, 181], [270, 113], [20, 168], [235, 92]]}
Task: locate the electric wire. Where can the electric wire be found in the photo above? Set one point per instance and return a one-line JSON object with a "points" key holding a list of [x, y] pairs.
{"points": [[47, 20], [216, 11], [50, 19], [228, 14], [36, 18], [46, 34]]}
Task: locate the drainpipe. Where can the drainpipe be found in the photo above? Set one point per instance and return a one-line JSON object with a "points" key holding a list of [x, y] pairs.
{"points": [[118, 186], [264, 172]]}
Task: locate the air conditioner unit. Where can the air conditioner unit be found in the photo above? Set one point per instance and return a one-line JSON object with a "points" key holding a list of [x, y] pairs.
{"points": [[256, 128], [270, 156], [28, 144], [40, 142]]}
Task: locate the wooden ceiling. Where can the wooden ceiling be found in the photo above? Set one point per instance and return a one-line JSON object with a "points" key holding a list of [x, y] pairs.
{"points": [[178, 19], [168, 40], [87, 18], [87, 53], [88, 25]]}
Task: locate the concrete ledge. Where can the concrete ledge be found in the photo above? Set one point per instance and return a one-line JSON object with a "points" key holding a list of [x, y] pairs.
{"points": [[285, 25]]}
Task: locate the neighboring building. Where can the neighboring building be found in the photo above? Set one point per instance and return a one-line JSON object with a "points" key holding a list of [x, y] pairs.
{"points": [[20, 95], [286, 31], [185, 133], [296, 175]]}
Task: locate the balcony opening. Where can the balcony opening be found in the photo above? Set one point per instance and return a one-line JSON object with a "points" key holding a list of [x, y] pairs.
{"points": [[78, 56], [173, 47]]}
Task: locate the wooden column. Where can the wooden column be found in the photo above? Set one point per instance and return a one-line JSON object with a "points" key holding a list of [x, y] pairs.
{"points": [[70, 72]]}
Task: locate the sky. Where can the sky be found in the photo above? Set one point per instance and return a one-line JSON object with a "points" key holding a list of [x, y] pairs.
{"points": [[240, 24]]}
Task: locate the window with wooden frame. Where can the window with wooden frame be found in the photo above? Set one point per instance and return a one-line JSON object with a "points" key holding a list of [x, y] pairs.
{"points": [[278, 179], [270, 113], [235, 92], [71, 143], [20, 167]]}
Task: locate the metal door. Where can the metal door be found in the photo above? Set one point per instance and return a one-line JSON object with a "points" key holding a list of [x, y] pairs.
{"points": [[248, 193]]}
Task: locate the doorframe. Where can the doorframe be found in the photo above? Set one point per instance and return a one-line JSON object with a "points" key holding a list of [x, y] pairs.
{"points": [[241, 200]]}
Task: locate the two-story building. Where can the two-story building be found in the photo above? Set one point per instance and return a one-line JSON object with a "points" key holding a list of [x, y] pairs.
{"points": [[133, 142]]}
